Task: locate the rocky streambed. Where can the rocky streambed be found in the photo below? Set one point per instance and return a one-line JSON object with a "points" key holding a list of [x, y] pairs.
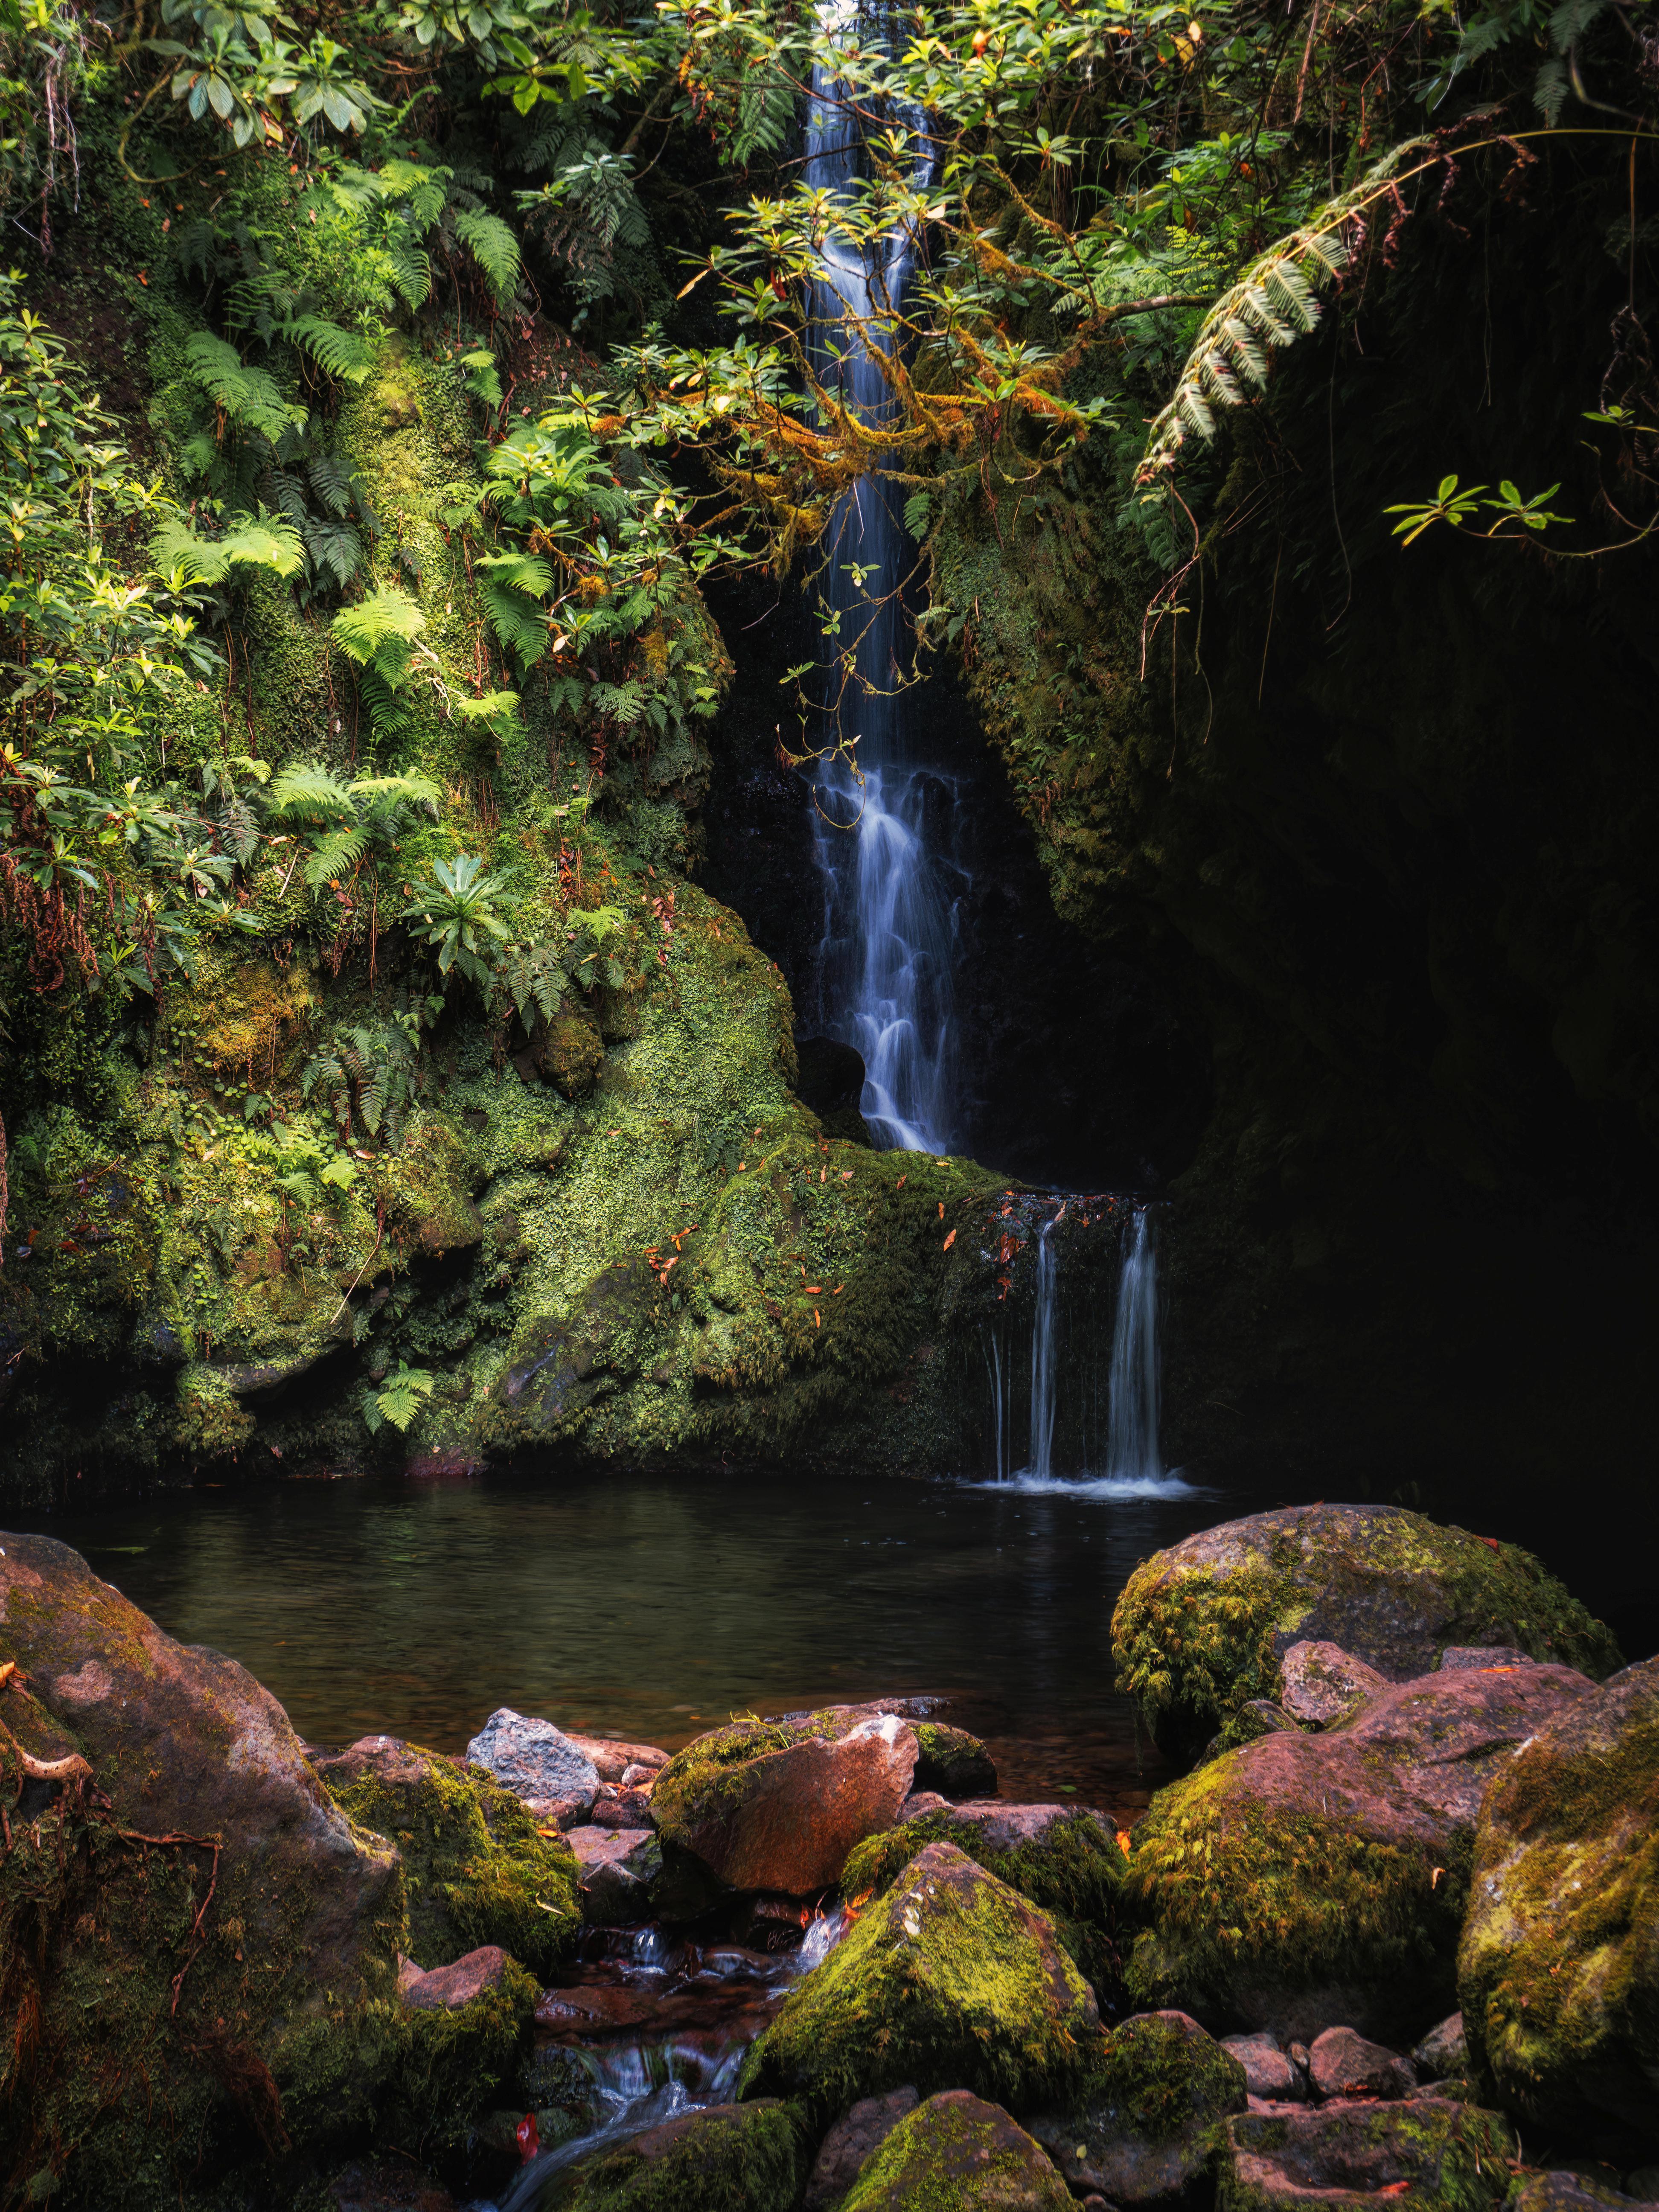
{"points": [[1394, 1935]]}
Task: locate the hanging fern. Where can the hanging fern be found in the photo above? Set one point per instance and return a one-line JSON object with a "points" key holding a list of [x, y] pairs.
{"points": [[249, 396], [334, 551], [492, 246], [380, 633], [250, 542], [1274, 303], [513, 587], [310, 792], [340, 354]]}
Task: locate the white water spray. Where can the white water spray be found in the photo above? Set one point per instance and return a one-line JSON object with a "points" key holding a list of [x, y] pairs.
{"points": [[1132, 1444], [1043, 1356]]}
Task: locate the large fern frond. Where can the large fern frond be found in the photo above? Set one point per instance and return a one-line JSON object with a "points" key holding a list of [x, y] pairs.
{"points": [[310, 791], [379, 632], [251, 542], [339, 353], [1272, 303], [336, 855], [492, 246], [249, 396]]}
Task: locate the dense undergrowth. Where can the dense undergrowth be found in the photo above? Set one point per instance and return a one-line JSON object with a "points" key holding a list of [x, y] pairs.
{"points": [[378, 391]]}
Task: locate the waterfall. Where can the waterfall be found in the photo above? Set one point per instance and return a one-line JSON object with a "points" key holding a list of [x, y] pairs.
{"points": [[1132, 1447], [1042, 1357], [885, 953]]}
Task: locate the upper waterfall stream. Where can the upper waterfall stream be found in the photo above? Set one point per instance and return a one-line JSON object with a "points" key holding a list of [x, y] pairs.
{"points": [[881, 816]]}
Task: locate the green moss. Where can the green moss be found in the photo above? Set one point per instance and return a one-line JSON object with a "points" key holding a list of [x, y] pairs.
{"points": [[709, 2161], [1432, 2157], [453, 2065], [708, 1776], [957, 2154], [1074, 1875], [951, 1981], [1152, 2079], [1559, 1967], [953, 1762], [1233, 1893], [475, 1869], [1194, 1643]]}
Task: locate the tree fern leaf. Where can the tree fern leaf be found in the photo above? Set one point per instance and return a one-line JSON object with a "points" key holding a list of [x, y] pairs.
{"points": [[310, 791], [379, 632], [248, 396], [339, 353], [492, 246], [336, 855]]}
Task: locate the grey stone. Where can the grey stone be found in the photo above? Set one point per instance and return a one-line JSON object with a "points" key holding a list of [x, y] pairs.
{"points": [[1343, 2064], [1268, 2072], [532, 1758], [1443, 2051], [1322, 1683], [852, 2139]]}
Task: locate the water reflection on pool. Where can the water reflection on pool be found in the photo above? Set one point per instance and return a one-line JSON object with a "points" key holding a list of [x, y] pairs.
{"points": [[654, 1606]]}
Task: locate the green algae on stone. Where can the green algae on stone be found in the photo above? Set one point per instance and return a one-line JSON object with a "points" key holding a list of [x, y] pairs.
{"points": [[452, 2063], [1072, 1871], [1429, 2155], [1559, 1968], [726, 2156], [1142, 2122], [475, 1869], [953, 1762], [957, 2154], [1201, 1629], [951, 1980]]}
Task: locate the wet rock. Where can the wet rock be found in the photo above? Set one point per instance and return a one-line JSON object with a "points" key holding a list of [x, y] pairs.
{"points": [[477, 1868], [562, 1813], [832, 1081], [385, 2184], [616, 1869], [448, 1988], [610, 1757], [1558, 1970], [567, 1052], [1140, 2127], [951, 1981], [957, 2154], [1343, 2064], [1443, 2050], [1259, 1716], [1322, 1683], [295, 1917], [532, 1758], [1424, 2154], [777, 1805], [855, 2138], [725, 2156], [622, 1808], [920, 1803], [1456, 1656], [1268, 2072], [1203, 1627], [1334, 1861], [953, 1762], [1566, 2190], [1066, 1859]]}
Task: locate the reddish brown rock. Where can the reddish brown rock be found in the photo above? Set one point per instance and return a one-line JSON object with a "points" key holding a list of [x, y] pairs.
{"points": [[386, 2185], [448, 1988], [1268, 2073], [779, 1807], [1321, 1683], [853, 2139], [616, 1868], [610, 1757], [1343, 2064], [1421, 2156]]}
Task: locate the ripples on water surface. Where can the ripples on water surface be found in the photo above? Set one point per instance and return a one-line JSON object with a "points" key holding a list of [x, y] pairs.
{"points": [[654, 1606]]}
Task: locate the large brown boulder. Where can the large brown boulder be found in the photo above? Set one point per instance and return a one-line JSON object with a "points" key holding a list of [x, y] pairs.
{"points": [[199, 1931], [1310, 1880], [1558, 1970], [1202, 1629], [1424, 2155], [779, 1805]]}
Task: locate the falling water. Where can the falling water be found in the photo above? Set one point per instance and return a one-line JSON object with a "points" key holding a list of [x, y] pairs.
{"points": [[999, 1419], [1131, 1446], [886, 955], [1042, 1358]]}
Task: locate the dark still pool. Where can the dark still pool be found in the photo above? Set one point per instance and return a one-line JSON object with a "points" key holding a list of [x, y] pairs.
{"points": [[653, 1607]]}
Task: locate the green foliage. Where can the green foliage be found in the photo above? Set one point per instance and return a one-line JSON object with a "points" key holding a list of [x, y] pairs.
{"points": [[1457, 504], [368, 1069], [456, 915], [397, 1399]]}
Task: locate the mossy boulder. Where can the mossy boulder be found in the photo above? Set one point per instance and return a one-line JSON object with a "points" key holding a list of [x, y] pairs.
{"points": [[1427, 2154], [953, 1762], [477, 1868], [1064, 1859], [951, 1980], [778, 1805], [1143, 2125], [202, 1948], [957, 2154], [725, 2156], [1310, 1880], [1200, 1630], [1558, 1970]]}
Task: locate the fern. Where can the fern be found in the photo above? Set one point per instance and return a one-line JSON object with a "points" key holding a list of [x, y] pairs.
{"points": [[249, 396], [388, 711], [336, 855], [333, 486], [494, 707], [336, 548], [622, 702], [379, 632], [397, 1399], [511, 585], [410, 271], [339, 354], [492, 246], [310, 792], [1272, 303], [251, 541]]}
